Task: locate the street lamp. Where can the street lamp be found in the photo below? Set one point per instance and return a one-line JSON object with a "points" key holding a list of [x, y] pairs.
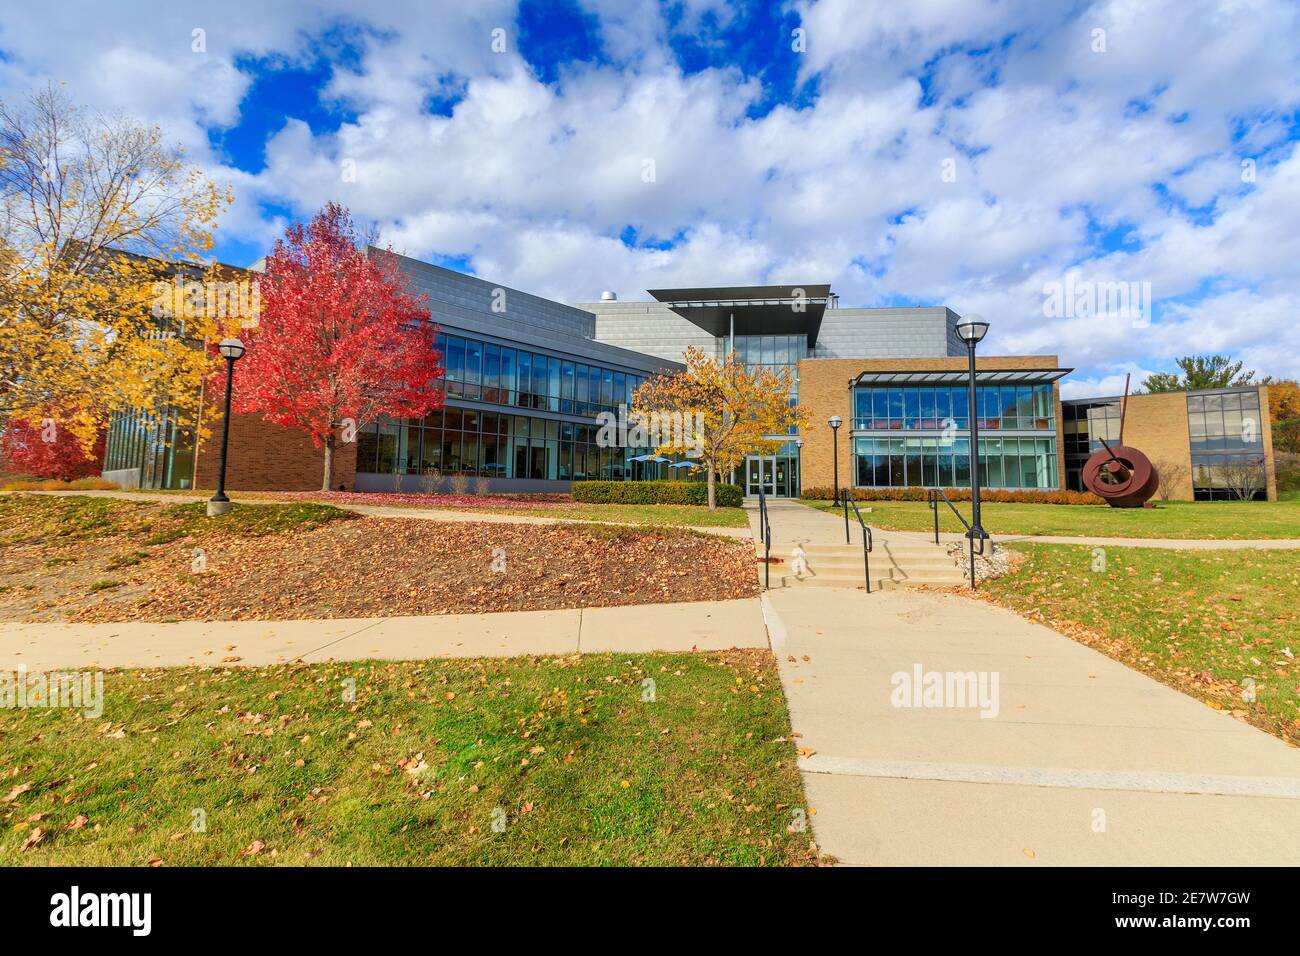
{"points": [[835, 422], [970, 330], [232, 350]]}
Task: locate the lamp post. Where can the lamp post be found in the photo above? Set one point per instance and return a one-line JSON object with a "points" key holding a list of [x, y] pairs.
{"points": [[232, 350], [970, 330], [835, 422]]}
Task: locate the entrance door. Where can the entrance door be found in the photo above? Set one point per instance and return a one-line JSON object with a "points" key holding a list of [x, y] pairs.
{"points": [[760, 472]]}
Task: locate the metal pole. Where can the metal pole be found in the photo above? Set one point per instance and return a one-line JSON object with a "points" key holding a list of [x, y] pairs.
{"points": [[977, 530], [835, 459], [225, 435]]}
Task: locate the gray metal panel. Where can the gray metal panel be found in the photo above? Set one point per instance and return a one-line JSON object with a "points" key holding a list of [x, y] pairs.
{"points": [[887, 333], [466, 303], [650, 328]]}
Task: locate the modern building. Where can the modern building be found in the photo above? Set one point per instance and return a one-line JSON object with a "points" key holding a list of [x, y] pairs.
{"points": [[1207, 444], [526, 378]]}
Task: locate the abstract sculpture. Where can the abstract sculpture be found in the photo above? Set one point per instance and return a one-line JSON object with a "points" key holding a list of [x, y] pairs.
{"points": [[1123, 476]]}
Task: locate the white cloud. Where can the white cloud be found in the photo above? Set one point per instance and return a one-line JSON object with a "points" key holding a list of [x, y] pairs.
{"points": [[1051, 145]]}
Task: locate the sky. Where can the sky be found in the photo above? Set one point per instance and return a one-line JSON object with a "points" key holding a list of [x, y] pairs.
{"points": [[1012, 158]]}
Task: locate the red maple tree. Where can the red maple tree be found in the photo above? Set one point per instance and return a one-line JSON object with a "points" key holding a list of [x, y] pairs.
{"points": [[340, 339], [44, 450]]}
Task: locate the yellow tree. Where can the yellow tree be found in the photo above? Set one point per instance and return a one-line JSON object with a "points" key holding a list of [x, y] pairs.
{"points": [[1284, 412], [94, 211], [717, 411]]}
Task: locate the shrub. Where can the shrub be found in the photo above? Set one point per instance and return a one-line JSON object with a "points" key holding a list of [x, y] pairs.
{"points": [[960, 494], [656, 493]]}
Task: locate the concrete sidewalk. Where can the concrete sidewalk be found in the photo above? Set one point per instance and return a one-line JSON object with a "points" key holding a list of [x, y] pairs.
{"points": [[1085, 762], [701, 625]]}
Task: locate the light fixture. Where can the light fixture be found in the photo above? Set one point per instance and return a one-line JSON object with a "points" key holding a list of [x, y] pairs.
{"points": [[971, 329], [231, 349], [835, 421]]}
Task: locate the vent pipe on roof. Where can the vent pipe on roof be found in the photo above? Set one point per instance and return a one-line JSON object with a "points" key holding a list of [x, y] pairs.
{"points": [[608, 296]]}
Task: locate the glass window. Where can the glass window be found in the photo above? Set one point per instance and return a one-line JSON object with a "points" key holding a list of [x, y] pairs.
{"points": [[473, 362], [492, 373], [455, 358], [508, 385], [566, 387], [580, 402], [525, 375], [553, 385]]}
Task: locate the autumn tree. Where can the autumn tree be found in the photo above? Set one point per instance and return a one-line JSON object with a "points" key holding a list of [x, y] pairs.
{"points": [[340, 339], [93, 210], [719, 411], [1284, 413], [44, 450], [1202, 371]]}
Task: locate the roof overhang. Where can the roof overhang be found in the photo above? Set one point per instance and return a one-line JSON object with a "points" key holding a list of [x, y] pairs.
{"points": [[754, 309], [1009, 376]]}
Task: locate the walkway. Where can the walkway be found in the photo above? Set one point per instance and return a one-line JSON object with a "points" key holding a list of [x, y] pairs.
{"points": [[699, 625], [1082, 761]]}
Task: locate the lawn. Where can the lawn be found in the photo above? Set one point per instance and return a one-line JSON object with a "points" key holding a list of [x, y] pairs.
{"points": [[537, 506], [656, 759], [101, 559], [1171, 519], [1204, 622]]}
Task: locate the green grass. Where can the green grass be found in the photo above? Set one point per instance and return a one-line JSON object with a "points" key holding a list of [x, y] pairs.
{"points": [[1173, 519], [581, 768], [1201, 621], [72, 518], [662, 515]]}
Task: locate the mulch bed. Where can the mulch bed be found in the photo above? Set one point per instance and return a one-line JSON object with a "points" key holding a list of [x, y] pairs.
{"points": [[388, 566]]}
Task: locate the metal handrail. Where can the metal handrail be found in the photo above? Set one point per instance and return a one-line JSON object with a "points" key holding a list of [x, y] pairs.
{"points": [[765, 531], [867, 544], [933, 500]]}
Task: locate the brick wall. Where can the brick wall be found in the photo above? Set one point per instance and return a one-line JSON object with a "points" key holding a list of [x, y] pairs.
{"points": [[824, 391], [266, 457], [1156, 425]]}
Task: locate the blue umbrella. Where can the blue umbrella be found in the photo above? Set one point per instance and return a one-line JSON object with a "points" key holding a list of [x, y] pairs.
{"points": [[685, 464]]}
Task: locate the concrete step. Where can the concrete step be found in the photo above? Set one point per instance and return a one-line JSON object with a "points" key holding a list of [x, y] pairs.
{"points": [[877, 583]]}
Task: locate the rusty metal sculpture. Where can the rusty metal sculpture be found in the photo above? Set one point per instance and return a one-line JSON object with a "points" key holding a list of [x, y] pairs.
{"points": [[1122, 476]]}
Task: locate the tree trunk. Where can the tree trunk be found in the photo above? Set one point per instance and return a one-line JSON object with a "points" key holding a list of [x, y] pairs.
{"points": [[329, 463], [713, 504]]}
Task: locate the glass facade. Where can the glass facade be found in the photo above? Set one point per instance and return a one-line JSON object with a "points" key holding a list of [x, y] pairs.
{"points": [[1083, 425], [457, 440], [933, 462], [502, 375], [912, 408], [1225, 433], [467, 441], [777, 474], [883, 458], [160, 445]]}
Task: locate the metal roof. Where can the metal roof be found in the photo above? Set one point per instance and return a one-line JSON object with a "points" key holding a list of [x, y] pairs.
{"points": [[755, 309], [1010, 376]]}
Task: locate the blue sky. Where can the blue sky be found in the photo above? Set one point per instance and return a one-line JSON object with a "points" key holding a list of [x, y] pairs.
{"points": [[973, 154]]}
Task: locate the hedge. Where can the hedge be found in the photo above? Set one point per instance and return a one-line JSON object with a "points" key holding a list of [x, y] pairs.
{"points": [[961, 494], [656, 493]]}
